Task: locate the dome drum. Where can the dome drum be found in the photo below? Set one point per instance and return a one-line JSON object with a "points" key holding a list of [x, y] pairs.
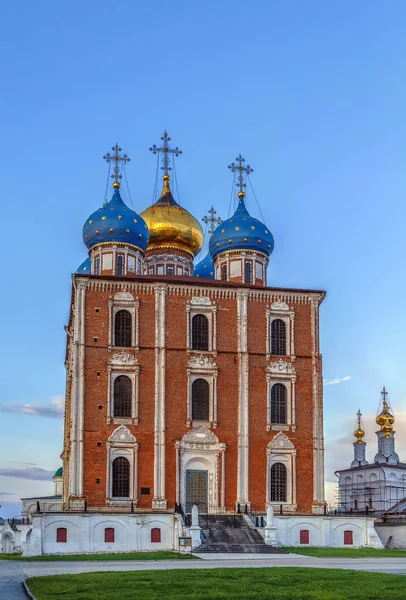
{"points": [[116, 259], [241, 267], [172, 262]]}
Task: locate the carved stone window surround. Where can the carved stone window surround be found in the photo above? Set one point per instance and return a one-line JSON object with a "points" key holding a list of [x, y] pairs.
{"points": [[122, 443], [281, 449], [125, 301], [204, 306], [123, 363], [202, 367], [280, 310], [283, 372]]}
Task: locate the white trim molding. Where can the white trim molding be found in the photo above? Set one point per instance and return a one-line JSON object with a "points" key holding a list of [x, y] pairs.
{"points": [[283, 372], [125, 301], [123, 363], [281, 450], [280, 310], [204, 306], [122, 443], [202, 367]]}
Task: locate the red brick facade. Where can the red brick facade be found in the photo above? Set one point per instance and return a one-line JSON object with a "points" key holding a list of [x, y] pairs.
{"points": [[241, 315]]}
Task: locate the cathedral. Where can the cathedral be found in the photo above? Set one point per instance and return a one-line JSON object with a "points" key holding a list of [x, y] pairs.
{"points": [[187, 384]]}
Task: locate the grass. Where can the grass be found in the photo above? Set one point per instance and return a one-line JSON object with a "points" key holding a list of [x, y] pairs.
{"points": [[159, 555], [222, 584], [347, 552]]}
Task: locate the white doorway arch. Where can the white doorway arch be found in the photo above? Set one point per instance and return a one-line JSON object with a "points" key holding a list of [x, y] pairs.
{"points": [[7, 544]]}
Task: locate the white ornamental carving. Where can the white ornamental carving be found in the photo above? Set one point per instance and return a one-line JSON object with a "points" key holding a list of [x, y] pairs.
{"points": [[202, 363], [200, 301], [126, 296], [200, 435], [279, 306], [281, 441], [143, 520], [122, 434], [122, 358], [281, 367]]}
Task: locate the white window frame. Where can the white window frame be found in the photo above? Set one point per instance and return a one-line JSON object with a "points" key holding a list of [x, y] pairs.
{"points": [[280, 310], [123, 363], [280, 449], [122, 443], [202, 367], [124, 301], [202, 305], [284, 372]]}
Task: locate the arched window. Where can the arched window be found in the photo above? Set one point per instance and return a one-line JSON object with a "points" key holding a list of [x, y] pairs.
{"points": [[97, 265], [200, 332], [155, 534], [121, 477], [278, 337], [62, 535], [122, 396], [278, 403], [109, 535], [248, 272], [200, 400], [224, 272], [355, 504], [120, 265], [122, 328], [278, 483]]}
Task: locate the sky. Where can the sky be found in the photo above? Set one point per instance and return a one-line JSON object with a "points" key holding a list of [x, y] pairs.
{"points": [[312, 93]]}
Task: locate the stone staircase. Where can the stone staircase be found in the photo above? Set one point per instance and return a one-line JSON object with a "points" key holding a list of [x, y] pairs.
{"points": [[231, 534]]}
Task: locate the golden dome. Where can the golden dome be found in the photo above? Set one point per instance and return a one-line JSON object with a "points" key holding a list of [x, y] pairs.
{"points": [[171, 226], [359, 432], [385, 416]]}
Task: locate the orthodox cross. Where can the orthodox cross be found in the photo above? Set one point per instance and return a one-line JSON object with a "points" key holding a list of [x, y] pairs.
{"points": [[166, 151], [241, 170], [214, 221], [359, 415], [384, 394], [117, 158]]}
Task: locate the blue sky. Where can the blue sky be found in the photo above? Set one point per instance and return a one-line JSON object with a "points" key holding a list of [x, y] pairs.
{"points": [[312, 93]]}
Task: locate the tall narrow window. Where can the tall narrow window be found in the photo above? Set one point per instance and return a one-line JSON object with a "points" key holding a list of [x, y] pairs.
{"points": [[169, 270], [278, 403], [224, 272], [248, 272], [200, 332], [122, 396], [109, 535], [122, 328], [278, 337], [200, 400], [155, 534], [62, 535], [97, 265], [121, 477], [278, 483], [120, 265], [304, 536], [348, 538]]}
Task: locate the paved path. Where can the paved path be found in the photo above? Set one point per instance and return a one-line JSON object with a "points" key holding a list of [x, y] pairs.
{"points": [[382, 565], [11, 576]]}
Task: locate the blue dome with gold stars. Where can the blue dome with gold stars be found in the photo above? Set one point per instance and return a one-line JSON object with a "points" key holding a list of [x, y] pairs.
{"points": [[241, 232], [85, 267], [115, 222], [205, 268]]}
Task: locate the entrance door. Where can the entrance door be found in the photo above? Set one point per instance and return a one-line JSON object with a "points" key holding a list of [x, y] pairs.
{"points": [[196, 490], [7, 544]]}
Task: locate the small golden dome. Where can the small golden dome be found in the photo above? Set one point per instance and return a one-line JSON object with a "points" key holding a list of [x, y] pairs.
{"points": [[359, 432], [116, 185], [171, 226], [385, 416]]}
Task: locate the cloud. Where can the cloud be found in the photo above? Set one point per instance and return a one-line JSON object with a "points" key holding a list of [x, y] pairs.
{"points": [[337, 380], [54, 409], [6, 494], [36, 473]]}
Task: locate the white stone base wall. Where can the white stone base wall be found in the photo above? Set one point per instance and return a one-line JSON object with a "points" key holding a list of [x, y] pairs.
{"points": [[85, 533], [324, 531], [396, 531]]}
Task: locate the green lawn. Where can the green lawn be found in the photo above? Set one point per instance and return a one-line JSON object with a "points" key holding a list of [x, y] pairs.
{"points": [[222, 584], [347, 552], [159, 555]]}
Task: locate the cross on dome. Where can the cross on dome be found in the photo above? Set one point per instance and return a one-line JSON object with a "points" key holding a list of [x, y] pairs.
{"points": [[166, 152], [117, 158], [241, 170], [214, 221]]}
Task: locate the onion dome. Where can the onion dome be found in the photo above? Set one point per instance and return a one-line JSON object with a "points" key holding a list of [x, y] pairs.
{"points": [[85, 267], [115, 222], [359, 432], [171, 226], [205, 268], [242, 232], [384, 416], [59, 472]]}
